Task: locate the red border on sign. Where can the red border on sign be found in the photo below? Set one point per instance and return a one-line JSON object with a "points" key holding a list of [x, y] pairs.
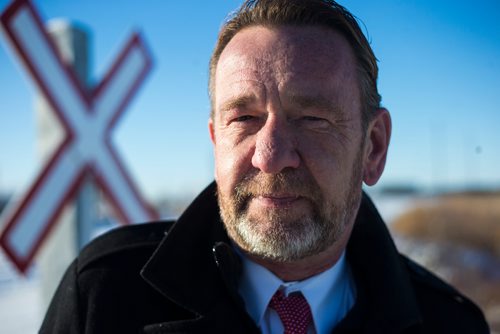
{"points": [[135, 41], [22, 263]]}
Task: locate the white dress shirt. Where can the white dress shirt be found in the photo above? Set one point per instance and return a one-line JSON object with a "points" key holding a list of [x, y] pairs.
{"points": [[330, 294]]}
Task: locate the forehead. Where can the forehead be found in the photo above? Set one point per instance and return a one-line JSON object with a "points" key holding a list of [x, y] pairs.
{"points": [[286, 57]]}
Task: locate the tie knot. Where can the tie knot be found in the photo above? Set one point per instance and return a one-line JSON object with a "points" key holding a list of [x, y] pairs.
{"points": [[294, 312]]}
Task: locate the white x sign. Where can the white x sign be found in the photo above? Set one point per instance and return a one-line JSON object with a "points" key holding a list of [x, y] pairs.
{"points": [[88, 118]]}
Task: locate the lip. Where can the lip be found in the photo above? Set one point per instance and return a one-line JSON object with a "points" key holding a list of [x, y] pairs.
{"points": [[277, 200]]}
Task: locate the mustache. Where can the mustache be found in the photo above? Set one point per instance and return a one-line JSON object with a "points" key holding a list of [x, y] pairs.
{"points": [[289, 181]]}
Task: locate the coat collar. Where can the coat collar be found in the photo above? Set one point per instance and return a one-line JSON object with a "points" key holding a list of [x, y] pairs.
{"points": [[386, 300], [187, 252], [197, 250]]}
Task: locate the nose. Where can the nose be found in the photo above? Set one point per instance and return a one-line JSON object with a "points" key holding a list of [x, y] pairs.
{"points": [[275, 147]]}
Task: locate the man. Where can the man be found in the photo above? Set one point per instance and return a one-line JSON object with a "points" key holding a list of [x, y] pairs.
{"points": [[285, 240]]}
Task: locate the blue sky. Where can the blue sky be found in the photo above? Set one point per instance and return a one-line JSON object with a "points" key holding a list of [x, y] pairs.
{"points": [[439, 76]]}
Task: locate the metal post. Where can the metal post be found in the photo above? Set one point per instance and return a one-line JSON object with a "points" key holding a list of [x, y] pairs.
{"points": [[74, 229]]}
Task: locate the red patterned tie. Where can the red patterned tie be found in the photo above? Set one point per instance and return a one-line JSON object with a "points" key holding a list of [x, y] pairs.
{"points": [[294, 312]]}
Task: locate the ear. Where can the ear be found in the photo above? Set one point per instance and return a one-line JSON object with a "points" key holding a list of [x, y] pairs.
{"points": [[211, 130], [377, 142]]}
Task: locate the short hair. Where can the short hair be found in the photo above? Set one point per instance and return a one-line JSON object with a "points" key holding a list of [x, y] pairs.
{"points": [[325, 13]]}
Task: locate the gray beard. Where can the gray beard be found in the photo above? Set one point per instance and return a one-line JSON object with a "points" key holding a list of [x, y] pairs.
{"points": [[286, 241], [274, 235]]}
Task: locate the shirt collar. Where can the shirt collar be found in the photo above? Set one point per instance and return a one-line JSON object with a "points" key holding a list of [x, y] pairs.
{"points": [[330, 294]]}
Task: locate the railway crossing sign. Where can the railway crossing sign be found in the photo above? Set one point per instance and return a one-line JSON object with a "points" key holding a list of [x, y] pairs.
{"points": [[87, 117]]}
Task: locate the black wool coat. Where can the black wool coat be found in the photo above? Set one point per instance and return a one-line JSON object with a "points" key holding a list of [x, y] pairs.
{"points": [[181, 277]]}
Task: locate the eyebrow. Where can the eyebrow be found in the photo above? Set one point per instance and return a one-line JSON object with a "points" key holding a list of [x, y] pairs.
{"points": [[302, 101], [314, 101], [238, 102]]}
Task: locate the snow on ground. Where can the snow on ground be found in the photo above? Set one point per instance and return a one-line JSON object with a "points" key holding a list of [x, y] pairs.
{"points": [[20, 303]]}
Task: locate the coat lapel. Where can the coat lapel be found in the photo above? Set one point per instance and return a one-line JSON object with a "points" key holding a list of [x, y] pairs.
{"points": [[195, 268], [385, 300]]}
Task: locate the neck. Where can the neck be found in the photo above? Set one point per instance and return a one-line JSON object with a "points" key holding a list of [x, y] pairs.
{"points": [[307, 267]]}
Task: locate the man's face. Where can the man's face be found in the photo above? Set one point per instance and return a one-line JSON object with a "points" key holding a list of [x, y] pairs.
{"points": [[288, 141]]}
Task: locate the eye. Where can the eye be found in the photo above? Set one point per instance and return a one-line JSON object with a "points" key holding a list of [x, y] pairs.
{"points": [[314, 122], [313, 118], [244, 118]]}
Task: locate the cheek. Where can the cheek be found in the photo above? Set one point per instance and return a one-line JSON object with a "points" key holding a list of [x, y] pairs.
{"points": [[321, 157], [232, 163], [329, 164]]}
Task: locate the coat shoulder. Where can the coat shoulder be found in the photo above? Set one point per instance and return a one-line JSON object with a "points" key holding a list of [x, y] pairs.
{"points": [[439, 301], [122, 241], [95, 294]]}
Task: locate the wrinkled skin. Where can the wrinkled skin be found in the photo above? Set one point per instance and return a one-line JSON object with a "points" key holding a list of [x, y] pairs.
{"points": [[290, 150]]}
